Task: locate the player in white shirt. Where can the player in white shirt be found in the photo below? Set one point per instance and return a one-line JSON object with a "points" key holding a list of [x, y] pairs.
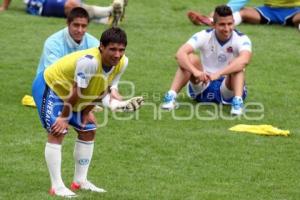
{"points": [[219, 75]]}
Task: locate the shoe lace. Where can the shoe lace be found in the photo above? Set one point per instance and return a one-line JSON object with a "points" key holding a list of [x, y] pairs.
{"points": [[237, 103], [168, 98]]}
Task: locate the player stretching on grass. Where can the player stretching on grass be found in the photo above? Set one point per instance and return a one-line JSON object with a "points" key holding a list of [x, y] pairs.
{"points": [[284, 12], [220, 74], [65, 94], [61, 8]]}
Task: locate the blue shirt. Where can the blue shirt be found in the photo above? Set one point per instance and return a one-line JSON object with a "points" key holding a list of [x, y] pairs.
{"points": [[60, 44]]}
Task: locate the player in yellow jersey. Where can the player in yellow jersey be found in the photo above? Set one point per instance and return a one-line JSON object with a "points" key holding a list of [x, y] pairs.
{"points": [[65, 94]]}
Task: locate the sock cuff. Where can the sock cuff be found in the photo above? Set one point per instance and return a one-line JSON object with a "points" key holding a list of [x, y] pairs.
{"points": [[78, 141], [172, 92], [237, 18], [53, 146]]}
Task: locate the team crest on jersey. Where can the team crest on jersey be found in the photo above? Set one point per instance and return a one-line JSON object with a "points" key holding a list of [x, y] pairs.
{"points": [[81, 75], [229, 50], [222, 58]]}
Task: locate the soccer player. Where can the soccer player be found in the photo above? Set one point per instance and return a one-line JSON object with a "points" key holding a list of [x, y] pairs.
{"points": [[220, 74], [70, 39], [61, 8], [272, 12], [65, 94]]}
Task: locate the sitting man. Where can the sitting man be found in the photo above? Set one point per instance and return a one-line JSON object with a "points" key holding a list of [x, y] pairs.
{"points": [[220, 74], [61, 8]]}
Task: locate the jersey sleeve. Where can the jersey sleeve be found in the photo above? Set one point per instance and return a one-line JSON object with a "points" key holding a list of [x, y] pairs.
{"points": [[197, 40], [86, 68], [116, 80], [244, 44]]}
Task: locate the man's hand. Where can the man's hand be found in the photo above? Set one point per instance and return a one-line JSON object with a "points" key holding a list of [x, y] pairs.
{"points": [[201, 76], [130, 105], [2, 9], [59, 127], [214, 76]]}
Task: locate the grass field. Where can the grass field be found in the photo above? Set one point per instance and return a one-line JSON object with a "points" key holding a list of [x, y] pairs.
{"points": [[185, 154]]}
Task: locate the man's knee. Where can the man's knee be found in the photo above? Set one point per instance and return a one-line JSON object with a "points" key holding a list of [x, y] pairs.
{"points": [[296, 19], [86, 135], [250, 15], [70, 4]]}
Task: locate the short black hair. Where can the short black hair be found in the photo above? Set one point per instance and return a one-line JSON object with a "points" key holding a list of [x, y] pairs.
{"points": [[77, 12], [113, 35], [222, 11]]}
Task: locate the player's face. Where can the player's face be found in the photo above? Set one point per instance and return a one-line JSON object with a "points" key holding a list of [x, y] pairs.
{"points": [[112, 53], [77, 28], [224, 27]]}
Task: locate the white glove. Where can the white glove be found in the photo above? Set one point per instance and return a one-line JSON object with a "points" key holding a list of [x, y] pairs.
{"points": [[130, 105]]}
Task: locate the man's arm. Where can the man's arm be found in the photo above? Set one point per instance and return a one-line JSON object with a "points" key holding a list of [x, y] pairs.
{"points": [[5, 5], [183, 59], [236, 65], [61, 123]]}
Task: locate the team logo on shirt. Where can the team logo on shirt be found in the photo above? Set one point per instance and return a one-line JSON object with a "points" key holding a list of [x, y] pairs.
{"points": [[81, 75], [229, 50], [222, 58]]}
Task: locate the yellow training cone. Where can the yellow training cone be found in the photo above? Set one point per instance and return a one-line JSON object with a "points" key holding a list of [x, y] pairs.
{"points": [[28, 101]]}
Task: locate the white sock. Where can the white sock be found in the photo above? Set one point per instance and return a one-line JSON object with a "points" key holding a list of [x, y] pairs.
{"points": [[97, 11], [173, 93], [83, 152], [237, 18], [53, 160]]}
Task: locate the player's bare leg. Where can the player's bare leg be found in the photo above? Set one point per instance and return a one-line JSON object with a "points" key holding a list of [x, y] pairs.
{"points": [[250, 15]]}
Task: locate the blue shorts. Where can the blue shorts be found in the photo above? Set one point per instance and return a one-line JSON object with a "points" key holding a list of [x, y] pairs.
{"points": [[277, 15], [54, 8], [49, 106], [212, 94]]}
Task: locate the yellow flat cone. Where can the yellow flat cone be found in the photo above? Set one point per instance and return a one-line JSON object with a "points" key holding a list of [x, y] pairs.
{"points": [[260, 130], [28, 101]]}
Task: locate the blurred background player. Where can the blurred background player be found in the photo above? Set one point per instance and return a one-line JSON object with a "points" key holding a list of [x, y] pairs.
{"points": [[61, 8], [219, 76], [72, 38], [272, 12], [65, 94]]}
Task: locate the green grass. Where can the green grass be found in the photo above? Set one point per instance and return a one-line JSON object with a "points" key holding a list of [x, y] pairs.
{"points": [[153, 155]]}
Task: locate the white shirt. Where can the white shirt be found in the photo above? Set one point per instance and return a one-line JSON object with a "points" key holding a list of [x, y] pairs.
{"points": [[87, 67], [214, 55]]}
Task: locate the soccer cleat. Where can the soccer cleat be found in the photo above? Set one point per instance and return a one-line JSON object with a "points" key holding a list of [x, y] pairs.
{"points": [[237, 106], [169, 102], [87, 185], [118, 7], [199, 19], [62, 192]]}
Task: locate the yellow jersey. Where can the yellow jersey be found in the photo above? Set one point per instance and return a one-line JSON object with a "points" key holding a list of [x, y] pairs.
{"points": [[84, 68], [282, 3]]}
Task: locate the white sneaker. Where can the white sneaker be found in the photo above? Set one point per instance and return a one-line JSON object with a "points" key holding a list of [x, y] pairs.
{"points": [[62, 192], [87, 185], [237, 106], [169, 102]]}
